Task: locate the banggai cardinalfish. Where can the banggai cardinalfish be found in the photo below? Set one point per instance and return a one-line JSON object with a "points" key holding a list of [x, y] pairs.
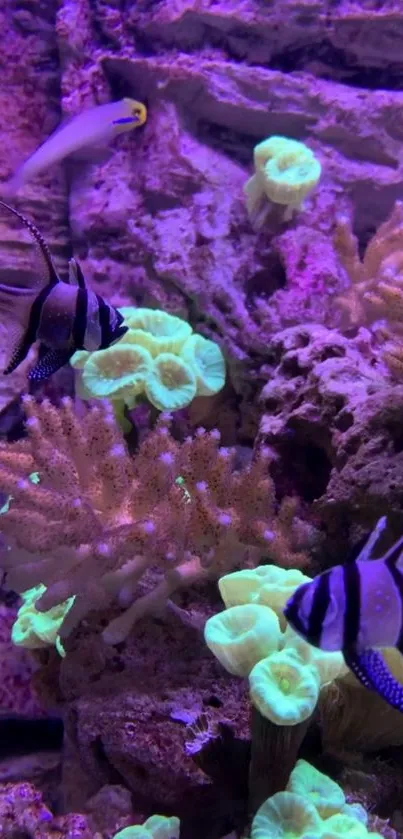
{"points": [[63, 316], [355, 608]]}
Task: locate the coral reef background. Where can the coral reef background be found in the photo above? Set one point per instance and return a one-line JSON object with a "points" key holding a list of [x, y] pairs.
{"points": [[314, 380]]}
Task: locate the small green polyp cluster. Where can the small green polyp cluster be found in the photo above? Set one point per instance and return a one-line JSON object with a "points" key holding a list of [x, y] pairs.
{"points": [[156, 827], [312, 806], [33, 629], [159, 357]]}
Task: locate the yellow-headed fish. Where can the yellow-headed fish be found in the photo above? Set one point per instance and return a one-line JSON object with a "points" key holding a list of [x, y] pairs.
{"points": [[63, 316], [95, 127]]}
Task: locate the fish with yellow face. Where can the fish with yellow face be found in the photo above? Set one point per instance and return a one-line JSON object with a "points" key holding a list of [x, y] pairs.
{"points": [[93, 128]]}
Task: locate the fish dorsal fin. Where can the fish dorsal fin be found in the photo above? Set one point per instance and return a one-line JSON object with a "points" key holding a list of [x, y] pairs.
{"points": [[76, 276], [394, 556], [20, 289], [367, 551], [49, 273]]}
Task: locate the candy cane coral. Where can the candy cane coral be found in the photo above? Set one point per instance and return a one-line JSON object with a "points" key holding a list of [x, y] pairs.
{"points": [[284, 684], [99, 519], [312, 807], [285, 172]]}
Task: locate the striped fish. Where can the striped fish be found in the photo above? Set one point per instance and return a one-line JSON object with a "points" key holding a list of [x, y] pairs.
{"points": [[354, 609], [63, 316]]}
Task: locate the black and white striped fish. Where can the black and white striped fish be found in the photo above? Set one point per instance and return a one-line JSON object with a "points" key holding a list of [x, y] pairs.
{"points": [[63, 316], [354, 609]]}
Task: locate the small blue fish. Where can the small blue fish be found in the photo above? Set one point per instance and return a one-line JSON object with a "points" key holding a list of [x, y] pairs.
{"points": [[64, 317], [355, 608]]}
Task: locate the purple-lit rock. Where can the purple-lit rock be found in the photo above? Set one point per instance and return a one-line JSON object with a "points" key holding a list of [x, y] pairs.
{"points": [[162, 222], [332, 415]]}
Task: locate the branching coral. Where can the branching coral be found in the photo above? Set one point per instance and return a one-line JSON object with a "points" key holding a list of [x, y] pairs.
{"points": [[376, 292], [99, 519]]}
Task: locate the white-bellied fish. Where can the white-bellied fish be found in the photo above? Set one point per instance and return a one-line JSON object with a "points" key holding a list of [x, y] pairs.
{"points": [[354, 609], [63, 316], [95, 127]]}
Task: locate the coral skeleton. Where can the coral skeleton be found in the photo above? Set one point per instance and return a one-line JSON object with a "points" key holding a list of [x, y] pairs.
{"points": [[99, 519]]}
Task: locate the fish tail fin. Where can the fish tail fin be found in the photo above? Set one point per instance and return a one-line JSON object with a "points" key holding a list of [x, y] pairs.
{"points": [[22, 290]]}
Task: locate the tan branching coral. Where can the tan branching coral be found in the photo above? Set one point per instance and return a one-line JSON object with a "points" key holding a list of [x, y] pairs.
{"points": [[99, 519], [376, 291]]}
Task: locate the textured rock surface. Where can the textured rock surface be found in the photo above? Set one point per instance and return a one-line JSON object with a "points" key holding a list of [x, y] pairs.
{"points": [[337, 39], [164, 220], [29, 111], [16, 696], [138, 736], [333, 419]]}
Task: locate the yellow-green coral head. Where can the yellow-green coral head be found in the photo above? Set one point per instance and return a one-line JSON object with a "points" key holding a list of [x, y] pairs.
{"points": [[343, 826], [290, 170], [156, 827], [207, 362], [284, 689], [157, 331], [327, 796], [119, 369], [33, 629], [285, 172], [286, 816], [171, 383], [267, 584], [242, 635]]}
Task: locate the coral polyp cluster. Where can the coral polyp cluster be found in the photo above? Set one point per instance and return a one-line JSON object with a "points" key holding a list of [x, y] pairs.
{"points": [[158, 358], [99, 519]]}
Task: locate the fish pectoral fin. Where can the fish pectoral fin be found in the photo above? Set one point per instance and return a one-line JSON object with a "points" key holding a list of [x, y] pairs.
{"points": [[371, 670], [50, 362], [76, 276]]}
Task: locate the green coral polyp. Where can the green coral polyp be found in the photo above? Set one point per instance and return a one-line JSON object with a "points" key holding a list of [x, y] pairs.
{"points": [[156, 827], [158, 357], [33, 629]]}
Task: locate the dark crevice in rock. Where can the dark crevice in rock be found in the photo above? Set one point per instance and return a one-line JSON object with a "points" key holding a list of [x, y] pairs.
{"points": [[307, 469], [331, 64], [320, 57], [264, 282]]}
